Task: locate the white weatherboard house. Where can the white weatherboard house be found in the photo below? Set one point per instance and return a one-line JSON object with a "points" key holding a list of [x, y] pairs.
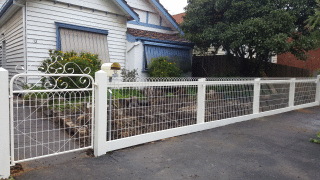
{"points": [[128, 32]]}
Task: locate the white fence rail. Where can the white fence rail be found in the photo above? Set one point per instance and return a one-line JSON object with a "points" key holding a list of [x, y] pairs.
{"points": [[132, 113], [136, 111]]}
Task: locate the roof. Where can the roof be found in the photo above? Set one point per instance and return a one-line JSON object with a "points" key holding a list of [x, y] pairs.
{"points": [[120, 3], [164, 11], [156, 35], [179, 17], [124, 5]]}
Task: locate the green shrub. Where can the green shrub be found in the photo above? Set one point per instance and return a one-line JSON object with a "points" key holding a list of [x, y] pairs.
{"points": [[128, 75], [163, 67], [34, 95], [70, 63]]}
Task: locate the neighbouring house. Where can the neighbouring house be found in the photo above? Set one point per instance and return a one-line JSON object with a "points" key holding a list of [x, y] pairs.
{"points": [[128, 32], [155, 34], [312, 63]]}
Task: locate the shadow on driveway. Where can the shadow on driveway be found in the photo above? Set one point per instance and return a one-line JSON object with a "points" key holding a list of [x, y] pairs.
{"points": [[274, 147]]}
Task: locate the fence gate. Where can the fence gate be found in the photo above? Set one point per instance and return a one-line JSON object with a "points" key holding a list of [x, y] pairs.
{"points": [[52, 113]]}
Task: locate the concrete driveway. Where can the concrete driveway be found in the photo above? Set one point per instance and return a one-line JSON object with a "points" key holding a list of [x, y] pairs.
{"points": [[275, 147]]}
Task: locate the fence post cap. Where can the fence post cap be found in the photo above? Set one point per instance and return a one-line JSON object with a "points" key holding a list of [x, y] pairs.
{"points": [[101, 72], [257, 79], [2, 69], [202, 79]]}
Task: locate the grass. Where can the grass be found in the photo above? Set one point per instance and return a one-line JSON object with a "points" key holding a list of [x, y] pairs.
{"points": [[10, 178], [71, 104], [39, 95], [316, 140], [126, 93]]}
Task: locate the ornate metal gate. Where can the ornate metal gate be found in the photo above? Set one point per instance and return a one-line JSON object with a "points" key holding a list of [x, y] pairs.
{"points": [[51, 112]]}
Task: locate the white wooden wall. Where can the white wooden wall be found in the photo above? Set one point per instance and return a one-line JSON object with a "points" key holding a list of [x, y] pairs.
{"points": [[13, 35], [135, 58], [141, 7], [41, 29]]}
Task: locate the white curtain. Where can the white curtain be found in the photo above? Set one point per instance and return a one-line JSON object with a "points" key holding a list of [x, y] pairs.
{"points": [[81, 41]]}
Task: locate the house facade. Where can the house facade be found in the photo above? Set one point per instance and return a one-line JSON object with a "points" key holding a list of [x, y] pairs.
{"points": [[155, 34], [30, 28]]}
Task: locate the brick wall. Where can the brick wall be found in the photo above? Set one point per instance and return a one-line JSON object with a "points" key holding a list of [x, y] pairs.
{"points": [[312, 63]]}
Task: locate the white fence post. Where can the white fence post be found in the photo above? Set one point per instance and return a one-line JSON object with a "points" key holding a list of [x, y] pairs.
{"points": [[256, 96], [201, 101], [292, 91], [100, 129], [318, 90], [4, 125]]}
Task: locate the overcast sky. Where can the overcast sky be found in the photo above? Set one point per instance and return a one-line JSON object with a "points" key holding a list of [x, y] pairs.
{"points": [[174, 6]]}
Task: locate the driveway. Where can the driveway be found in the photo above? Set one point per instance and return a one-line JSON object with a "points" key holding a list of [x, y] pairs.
{"points": [[274, 147]]}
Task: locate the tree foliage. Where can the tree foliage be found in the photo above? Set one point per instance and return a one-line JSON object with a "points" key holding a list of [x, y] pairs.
{"points": [[254, 29], [314, 20]]}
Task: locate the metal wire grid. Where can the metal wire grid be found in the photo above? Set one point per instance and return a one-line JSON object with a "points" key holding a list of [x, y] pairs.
{"points": [[140, 110], [226, 101], [48, 123], [52, 112], [305, 92], [274, 96]]}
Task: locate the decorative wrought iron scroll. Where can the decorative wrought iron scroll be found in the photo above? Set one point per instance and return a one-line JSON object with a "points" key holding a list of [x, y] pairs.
{"points": [[52, 74]]}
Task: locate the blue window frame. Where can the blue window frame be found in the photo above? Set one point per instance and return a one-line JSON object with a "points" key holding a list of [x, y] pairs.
{"points": [[75, 27]]}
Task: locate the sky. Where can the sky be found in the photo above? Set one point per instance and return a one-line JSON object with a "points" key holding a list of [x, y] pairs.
{"points": [[174, 6]]}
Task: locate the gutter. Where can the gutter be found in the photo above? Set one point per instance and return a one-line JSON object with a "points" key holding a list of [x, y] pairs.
{"points": [[188, 44], [9, 8], [5, 7]]}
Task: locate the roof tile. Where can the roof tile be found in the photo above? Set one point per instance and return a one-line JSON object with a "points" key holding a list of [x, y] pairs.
{"points": [[156, 35]]}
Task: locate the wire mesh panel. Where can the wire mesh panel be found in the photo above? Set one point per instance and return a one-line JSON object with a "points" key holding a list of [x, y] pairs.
{"points": [[226, 101], [305, 92], [47, 123], [52, 116], [274, 96], [139, 110], [144, 110]]}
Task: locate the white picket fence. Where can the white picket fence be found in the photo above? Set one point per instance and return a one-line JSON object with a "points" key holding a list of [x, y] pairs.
{"points": [[145, 110]]}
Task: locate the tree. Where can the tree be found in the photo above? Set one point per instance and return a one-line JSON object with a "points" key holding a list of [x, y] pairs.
{"points": [[254, 29], [314, 21]]}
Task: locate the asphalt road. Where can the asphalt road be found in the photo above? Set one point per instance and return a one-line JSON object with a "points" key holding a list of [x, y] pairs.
{"points": [[275, 147]]}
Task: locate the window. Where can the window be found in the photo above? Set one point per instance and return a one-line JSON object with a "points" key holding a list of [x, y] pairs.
{"points": [[83, 39]]}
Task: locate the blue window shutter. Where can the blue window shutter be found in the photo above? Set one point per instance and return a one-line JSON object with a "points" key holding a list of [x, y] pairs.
{"points": [[181, 56]]}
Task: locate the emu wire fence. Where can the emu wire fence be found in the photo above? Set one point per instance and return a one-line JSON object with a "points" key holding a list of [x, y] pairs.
{"points": [[135, 111], [115, 114]]}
